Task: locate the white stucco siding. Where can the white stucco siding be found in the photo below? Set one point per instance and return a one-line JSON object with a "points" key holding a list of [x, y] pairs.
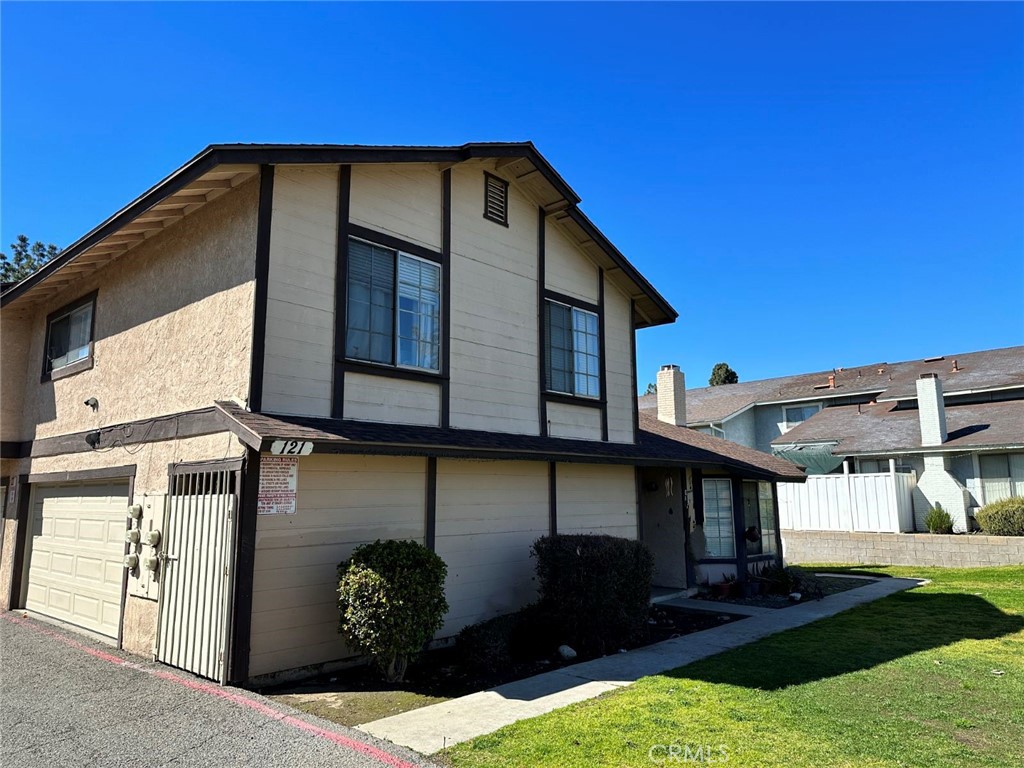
{"points": [[343, 501], [403, 200], [574, 421], [566, 269], [618, 364], [489, 513], [494, 347], [597, 498], [298, 367], [381, 398]]}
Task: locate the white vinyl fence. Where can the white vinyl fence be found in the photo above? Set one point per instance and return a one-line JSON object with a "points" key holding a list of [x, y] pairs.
{"points": [[875, 502]]}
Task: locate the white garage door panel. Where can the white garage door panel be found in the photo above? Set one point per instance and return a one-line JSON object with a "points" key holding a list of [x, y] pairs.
{"points": [[75, 559]]}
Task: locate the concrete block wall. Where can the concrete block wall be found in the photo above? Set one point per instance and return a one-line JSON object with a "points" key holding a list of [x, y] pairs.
{"points": [[966, 551]]}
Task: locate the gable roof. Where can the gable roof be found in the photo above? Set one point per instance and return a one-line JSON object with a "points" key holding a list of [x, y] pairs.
{"points": [[222, 167], [883, 428], [656, 446], [977, 371]]}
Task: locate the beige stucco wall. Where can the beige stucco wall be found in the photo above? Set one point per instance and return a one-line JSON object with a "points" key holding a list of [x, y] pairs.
{"points": [[15, 333], [173, 326]]}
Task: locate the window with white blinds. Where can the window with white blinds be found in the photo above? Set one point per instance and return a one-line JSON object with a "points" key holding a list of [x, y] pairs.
{"points": [[719, 533], [376, 276], [572, 351]]}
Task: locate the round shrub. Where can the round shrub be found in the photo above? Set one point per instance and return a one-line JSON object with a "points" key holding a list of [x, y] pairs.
{"points": [[391, 602], [595, 589], [1003, 518]]}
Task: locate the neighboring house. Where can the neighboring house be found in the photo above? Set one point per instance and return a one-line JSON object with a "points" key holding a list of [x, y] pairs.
{"points": [[280, 352], [956, 422]]}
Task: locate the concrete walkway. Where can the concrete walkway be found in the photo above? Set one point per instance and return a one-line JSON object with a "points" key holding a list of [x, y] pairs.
{"points": [[432, 728]]}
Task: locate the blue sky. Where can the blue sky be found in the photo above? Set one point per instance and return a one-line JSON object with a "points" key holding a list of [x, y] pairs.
{"points": [[810, 185]]}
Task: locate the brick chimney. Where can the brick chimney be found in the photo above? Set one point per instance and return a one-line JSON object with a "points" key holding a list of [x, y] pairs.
{"points": [[931, 410], [672, 395]]}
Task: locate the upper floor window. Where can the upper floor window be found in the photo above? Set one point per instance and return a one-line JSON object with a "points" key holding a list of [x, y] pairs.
{"points": [[572, 355], [69, 337], [797, 414], [394, 308], [495, 199]]}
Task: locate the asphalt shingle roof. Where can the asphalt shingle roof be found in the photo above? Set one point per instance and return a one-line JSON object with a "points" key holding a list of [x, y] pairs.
{"points": [[882, 428], [988, 369], [658, 443]]}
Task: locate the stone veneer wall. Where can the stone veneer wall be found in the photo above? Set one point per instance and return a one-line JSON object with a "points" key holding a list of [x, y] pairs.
{"points": [[952, 551]]}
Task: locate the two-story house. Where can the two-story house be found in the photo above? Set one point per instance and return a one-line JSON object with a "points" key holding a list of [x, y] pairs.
{"points": [[280, 352]]}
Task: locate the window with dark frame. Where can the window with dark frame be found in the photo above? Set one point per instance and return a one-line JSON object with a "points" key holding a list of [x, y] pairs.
{"points": [[495, 199], [572, 351], [393, 308], [69, 336]]}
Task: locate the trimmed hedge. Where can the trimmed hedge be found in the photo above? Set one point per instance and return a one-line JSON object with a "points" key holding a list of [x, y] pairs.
{"points": [[1003, 518], [596, 590], [391, 601]]}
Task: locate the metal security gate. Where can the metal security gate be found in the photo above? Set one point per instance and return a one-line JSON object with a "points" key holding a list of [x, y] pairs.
{"points": [[197, 556]]}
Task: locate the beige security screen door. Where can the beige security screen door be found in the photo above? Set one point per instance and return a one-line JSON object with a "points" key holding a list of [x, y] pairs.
{"points": [[197, 554]]}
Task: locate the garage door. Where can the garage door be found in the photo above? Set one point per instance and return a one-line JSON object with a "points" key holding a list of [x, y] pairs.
{"points": [[77, 549]]}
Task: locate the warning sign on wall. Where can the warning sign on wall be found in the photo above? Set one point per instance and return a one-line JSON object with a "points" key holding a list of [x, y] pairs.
{"points": [[279, 476]]}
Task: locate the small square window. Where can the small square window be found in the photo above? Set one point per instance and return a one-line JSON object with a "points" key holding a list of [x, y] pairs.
{"points": [[69, 338], [495, 199]]}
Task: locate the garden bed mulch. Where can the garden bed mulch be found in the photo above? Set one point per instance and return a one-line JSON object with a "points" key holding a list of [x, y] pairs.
{"points": [[359, 695], [829, 585]]}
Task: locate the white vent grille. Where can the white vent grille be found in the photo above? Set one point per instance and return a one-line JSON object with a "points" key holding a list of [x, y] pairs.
{"points": [[495, 199]]}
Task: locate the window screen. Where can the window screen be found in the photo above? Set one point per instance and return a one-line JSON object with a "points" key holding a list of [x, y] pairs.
{"points": [[371, 302], [718, 526], [419, 313], [573, 358], [69, 337], [766, 508]]}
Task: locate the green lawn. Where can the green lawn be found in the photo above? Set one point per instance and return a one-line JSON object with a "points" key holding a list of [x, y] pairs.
{"points": [[911, 680]]}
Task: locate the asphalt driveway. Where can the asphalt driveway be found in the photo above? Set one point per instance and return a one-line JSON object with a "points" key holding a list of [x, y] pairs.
{"points": [[65, 700]]}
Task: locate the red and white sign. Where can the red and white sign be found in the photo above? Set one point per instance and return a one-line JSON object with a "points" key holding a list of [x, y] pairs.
{"points": [[279, 478]]}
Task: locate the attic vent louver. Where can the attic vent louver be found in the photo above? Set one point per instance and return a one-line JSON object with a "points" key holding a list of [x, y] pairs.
{"points": [[495, 199]]}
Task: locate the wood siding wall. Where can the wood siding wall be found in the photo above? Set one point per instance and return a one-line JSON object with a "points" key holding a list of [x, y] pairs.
{"points": [[488, 515], [494, 350], [343, 501], [298, 367], [597, 499]]}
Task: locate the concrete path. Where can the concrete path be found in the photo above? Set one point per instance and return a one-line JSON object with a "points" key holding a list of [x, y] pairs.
{"points": [[432, 728], [66, 700], [713, 606]]}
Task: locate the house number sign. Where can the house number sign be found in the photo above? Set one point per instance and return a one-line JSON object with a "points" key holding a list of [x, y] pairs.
{"points": [[291, 448]]}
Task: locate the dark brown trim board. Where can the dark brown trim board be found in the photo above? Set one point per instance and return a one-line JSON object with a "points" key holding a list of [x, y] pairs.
{"points": [[738, 519], [21, 504], [586, 402], [542, 383], [601, 355], [632, 364], [430, 523], [245, 558], [341, 291], [446, 296], [638, 483], [394, 243], [259, 316], [390, 371], [778, 522], [79, 365], [691, 570], [126, 471], [206, 421], [572, 301], [12, 449], [553, 498]]}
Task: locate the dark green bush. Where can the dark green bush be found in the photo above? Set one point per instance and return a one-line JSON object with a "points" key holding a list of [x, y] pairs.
{"points": [[783, 581], [596, 590], [391, 598], [487, 646], [938, 520], [1003, 518]]}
